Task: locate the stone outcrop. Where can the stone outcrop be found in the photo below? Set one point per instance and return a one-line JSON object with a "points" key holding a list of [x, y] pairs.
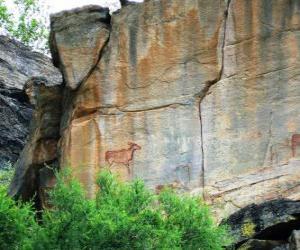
{"points": [[17, 64], [15, 115], [208, 91], [35, 166], [78, 37], [266, 225]]}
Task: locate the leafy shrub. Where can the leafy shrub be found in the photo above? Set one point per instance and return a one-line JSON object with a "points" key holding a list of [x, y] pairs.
{"points": [[123, 216], [17, 222], [6, 174], [25, 21]]}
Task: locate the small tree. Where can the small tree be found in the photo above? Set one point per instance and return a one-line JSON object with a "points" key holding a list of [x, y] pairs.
{"points": [[126, 216], [25, 21], [122, 216]]}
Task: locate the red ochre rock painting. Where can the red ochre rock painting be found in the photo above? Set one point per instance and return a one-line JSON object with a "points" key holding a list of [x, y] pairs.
{"points": [[295, 142], [122, 156]]}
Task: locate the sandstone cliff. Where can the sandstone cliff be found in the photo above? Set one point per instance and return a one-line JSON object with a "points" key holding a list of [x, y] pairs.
{"points": [[200, 95], [17, 65]]}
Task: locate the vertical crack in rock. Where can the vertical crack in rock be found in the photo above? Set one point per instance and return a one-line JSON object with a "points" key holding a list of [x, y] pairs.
{"points": [[77, 40], [99, 57], [206, 89]]}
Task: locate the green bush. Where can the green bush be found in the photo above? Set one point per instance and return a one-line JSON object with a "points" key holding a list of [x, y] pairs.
{"points": [[6, 174], [25, 21], [17, 222], [122, 216]]}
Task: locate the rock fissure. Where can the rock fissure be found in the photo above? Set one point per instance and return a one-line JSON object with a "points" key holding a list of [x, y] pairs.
{"points": [[101, 52], [206, 90]]}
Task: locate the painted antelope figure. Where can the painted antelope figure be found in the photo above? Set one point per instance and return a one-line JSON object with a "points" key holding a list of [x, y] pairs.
{"points": [[295, 142], [123, 156]]}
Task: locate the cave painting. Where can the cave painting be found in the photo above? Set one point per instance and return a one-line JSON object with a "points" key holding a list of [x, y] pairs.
{"points": [[295, 142], [122, 156]]}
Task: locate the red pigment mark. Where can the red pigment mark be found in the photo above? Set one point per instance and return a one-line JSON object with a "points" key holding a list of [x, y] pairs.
{"points": [[295, 141], [123, 156], [174, 185]]}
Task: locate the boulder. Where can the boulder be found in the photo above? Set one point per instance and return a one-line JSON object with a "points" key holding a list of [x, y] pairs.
{"points": [[295, 240], [41, 149], [274, 220], [264, 245], [77, 40]]}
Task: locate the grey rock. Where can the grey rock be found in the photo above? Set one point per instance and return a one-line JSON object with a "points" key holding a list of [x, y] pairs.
{"points": [[42, 143], [295, 240], [15, 115], [255, 244], [17, 64], [273, 220]]}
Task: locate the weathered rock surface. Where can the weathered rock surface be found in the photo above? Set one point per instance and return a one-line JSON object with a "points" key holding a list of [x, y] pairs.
{"points": [[295, 240], [17, 64], [41, 148], [270, 221], [146, 89], [197, 94], [251, 121], [264, 245], [15, 115], [78, 37]]}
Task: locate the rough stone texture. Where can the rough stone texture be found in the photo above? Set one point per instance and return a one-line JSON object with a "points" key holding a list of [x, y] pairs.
{"points": [[207, 90], [273, 220], [17, 64], [78, 37], [41, 148], [295, 240], [146, 89], [251, 115], [15, 115], [264, 245]]}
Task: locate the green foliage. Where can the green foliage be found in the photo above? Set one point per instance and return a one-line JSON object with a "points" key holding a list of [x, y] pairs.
{"points": [[25, 22], [122, 216], [6, 174], [17, 222]]}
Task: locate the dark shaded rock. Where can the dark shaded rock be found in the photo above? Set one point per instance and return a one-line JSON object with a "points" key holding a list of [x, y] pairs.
{"points": [[17, 64], [264, 245], [295, 240], [273, 220], [41, 148], [15, 115]]}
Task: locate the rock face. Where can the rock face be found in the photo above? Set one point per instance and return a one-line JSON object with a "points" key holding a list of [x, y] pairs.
{"points": [[32, 168], [17, 64], [251, 121], [266, 225], [15, 115], [150, 74], [200, 95], [272, 225], [78, 37]]}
